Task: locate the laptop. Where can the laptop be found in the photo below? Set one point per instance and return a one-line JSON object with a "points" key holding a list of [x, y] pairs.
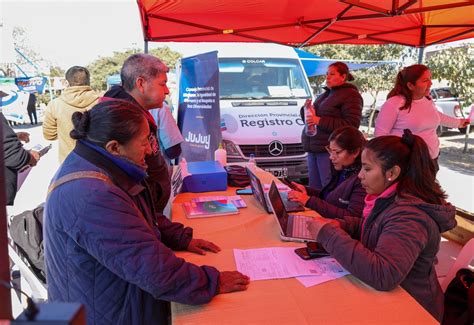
{"points": [[262, 197], [292, 227]]}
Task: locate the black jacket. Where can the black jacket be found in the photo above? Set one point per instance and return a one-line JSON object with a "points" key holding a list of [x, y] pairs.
{"points": [[339, 106], [15, 158], [158, 176]]}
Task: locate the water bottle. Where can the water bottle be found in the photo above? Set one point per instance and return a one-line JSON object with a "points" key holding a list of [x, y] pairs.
{"points": [[220, 155], [309, 129], [252, 164]]}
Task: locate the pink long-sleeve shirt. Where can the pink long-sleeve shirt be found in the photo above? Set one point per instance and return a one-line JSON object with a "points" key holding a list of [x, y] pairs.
{"points": [[422, 119]]}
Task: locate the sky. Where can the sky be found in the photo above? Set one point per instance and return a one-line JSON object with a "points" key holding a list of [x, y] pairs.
{"points": [[76, 32]]}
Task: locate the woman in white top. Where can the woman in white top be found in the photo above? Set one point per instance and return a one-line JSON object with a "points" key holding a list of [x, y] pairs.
{"points": [[409, 106]]}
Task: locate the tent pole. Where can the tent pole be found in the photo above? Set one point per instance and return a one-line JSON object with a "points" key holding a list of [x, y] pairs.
{"points": [[421, 51], [146, 46]]}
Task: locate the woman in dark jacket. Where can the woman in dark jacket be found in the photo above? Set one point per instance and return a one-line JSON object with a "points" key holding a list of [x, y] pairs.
{"points": [[344, 195], [340, 105], [397, 239], [105, 245]]}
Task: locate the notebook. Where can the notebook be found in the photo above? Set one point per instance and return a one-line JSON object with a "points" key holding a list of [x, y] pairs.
{"points": [[209, 209], [292, 227], [262, 197]]}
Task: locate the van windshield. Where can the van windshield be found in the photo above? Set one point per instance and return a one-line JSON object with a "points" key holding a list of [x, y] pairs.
{"points": [[261, 78]]}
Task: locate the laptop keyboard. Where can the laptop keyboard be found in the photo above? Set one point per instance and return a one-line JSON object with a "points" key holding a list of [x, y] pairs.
{"points": [[300, 229]]}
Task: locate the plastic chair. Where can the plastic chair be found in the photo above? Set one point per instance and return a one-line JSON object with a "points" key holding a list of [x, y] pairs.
{"points": [[464, 259]]}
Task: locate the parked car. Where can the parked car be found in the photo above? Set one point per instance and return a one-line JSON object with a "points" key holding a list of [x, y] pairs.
{"points": [[446, 102]]}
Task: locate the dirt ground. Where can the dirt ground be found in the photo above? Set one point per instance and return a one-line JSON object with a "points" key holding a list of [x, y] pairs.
{"points": [[452, 155]]}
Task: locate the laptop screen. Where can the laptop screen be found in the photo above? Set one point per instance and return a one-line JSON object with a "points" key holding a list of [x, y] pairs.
{"points": [[257, 189], [278, 207]]}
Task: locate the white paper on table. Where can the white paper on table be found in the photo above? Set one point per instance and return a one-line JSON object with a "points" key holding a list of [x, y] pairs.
{"points": [[275, 263], [332, 270]]}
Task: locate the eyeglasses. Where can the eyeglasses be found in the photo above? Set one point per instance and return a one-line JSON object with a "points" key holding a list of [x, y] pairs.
{"points": [[333, 152]]}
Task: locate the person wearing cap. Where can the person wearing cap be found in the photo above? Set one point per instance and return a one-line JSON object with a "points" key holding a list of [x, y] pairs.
{"points": [[340, 105]]}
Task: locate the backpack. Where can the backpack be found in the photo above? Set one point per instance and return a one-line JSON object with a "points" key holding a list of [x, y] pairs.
{"points": [[459, 299], [26, 231]]}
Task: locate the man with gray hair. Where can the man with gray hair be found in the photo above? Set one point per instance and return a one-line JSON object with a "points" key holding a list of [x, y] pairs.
{"points": [[78, 97], [144, 84]]}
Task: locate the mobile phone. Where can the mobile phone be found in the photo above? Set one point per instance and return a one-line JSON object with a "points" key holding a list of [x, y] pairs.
{"points": [[288, 183], [303, 253], [41, 150], [315, 249], [44, 150], [244, 191]]}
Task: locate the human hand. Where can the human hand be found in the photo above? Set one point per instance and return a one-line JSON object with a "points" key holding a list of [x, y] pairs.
{"points": [[230, 281], [34, 158], [299, 187], [464, 122], [200, 246], [316, 223], [298, 197], [23, 136]]}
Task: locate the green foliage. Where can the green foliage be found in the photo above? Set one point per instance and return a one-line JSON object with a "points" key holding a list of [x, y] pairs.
{"points": [[103, 67], [55, 71], [372, 80], [456, 65]]}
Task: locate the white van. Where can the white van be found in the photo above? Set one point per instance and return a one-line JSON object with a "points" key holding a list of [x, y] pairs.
{"points": [[262, 88]]}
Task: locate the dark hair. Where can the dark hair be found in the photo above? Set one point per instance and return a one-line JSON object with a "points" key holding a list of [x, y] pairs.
{"points": [[109, 120], [78, 76], [349, 138], [407, 75], [342, 68], [411, 154], [140, 65]]}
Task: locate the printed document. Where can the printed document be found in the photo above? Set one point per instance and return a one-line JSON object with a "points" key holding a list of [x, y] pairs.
{"points": [[282, 262]]}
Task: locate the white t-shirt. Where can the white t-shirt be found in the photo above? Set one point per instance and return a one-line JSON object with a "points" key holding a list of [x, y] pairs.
{"points": [[168, 133], [423, 118]]}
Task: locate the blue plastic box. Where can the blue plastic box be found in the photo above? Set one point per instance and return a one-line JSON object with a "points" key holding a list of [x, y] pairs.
{"points": [[206, 176]]}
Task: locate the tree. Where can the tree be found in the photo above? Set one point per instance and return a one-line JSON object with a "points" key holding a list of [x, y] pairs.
{"points": [[34, 60], [55, 71], [103, 67], [456, 65], [372, 80]]}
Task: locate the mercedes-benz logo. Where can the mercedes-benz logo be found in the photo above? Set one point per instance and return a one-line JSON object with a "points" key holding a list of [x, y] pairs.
{"points": [[275, 148]]}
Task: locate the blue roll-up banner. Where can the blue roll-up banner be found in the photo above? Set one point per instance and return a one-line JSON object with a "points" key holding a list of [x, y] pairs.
{"points": [[31, 84], [199, 110]]}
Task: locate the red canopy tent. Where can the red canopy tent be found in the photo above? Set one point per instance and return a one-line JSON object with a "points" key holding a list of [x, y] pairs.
{"points": [[308, 22]]}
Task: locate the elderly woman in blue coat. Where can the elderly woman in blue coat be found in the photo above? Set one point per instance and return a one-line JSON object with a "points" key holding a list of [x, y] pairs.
{"points": [[397, 239], [105, 247]]}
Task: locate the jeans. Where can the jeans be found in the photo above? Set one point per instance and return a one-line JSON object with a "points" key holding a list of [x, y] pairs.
{"points": [[319, 169]]}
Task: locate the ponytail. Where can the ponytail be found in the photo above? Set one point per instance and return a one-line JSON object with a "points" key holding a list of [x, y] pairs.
{"points": [[80, 121], [417, 170]]}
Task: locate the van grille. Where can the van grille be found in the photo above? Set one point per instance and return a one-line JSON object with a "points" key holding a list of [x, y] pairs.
{"points": [[280, 164], [289, 149]]}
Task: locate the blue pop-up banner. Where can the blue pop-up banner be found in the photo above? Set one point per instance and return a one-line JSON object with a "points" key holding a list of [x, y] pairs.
{"points": [[199, 110], [31, 84]]}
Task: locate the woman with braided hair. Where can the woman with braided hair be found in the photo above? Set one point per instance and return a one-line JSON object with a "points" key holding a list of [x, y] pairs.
{"points": [[105, 246], [397, 239], [409, 106]]}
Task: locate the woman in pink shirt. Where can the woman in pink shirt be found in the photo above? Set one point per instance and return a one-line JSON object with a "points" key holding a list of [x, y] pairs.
{"points": [[409, 106]]}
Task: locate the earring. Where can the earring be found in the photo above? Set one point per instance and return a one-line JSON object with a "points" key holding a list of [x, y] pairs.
{"points": [[389, 179]]}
